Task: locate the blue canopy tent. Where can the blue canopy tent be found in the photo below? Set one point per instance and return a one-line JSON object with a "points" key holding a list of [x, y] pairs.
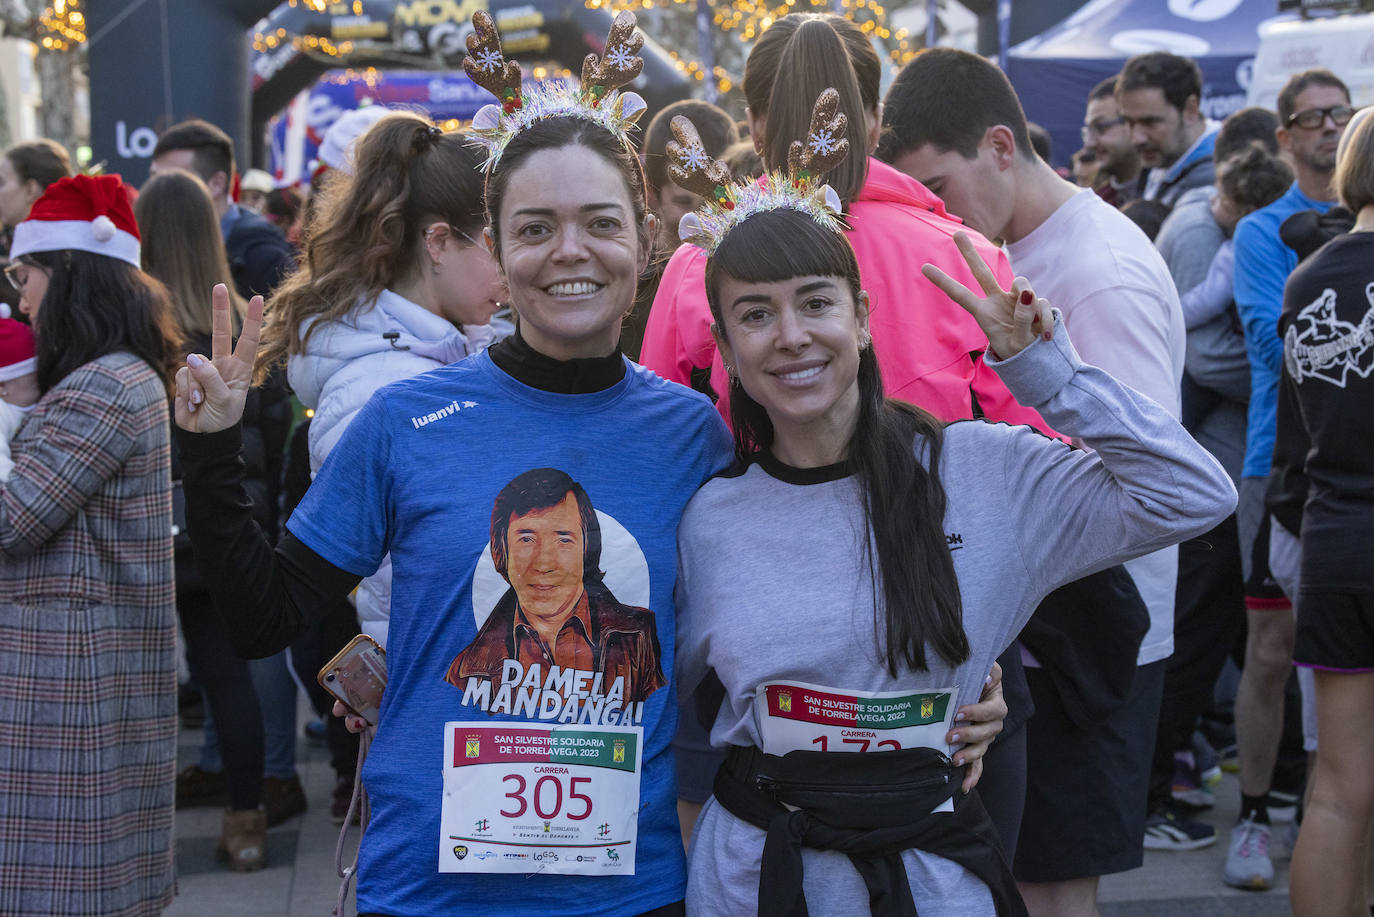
{"points": [[1054, 71]]}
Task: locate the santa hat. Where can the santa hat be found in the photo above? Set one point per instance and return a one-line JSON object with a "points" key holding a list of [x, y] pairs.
{"points": [[88, 213], [16, 350]]}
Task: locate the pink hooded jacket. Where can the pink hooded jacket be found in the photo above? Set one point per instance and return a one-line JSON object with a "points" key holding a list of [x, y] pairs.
{"points": [[928, 347]]}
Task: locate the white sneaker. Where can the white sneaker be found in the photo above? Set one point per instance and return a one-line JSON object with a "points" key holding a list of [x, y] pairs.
{"points": [[1247, 862]]}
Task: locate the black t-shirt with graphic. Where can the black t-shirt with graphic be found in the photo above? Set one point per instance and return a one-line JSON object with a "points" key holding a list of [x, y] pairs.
{"points": [[1327, 327]]}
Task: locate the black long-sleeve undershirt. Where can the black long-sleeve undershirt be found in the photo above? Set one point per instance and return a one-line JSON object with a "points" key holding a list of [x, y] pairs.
{"points": [[268, 596]]}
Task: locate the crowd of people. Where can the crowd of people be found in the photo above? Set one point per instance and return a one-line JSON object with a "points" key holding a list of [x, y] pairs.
{"points": [[833, 511]]}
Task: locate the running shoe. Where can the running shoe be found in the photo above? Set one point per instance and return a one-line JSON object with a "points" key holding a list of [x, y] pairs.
{"points": [[1168, 829], [1247, 861]]}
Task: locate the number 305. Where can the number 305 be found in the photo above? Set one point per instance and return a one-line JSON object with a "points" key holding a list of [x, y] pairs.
{"points": [[544, 788]]}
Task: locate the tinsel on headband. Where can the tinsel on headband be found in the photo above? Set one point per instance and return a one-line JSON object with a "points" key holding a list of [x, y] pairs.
{"points": [[598, 99], [801, 188]]}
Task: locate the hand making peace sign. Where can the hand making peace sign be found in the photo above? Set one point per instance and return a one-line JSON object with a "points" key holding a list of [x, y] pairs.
{"points": [[1012, 319], [210, 393]]}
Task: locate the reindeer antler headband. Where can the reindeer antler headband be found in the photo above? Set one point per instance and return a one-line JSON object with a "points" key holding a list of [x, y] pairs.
{"points": [[800, 188], [598, 99]]}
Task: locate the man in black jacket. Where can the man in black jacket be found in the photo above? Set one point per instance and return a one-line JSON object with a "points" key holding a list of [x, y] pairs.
{"points": [[259, 255]]}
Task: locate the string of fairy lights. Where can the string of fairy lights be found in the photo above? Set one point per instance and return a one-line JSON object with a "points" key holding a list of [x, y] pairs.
{"points": [[747, 19], [63, 25], [742, 19]]}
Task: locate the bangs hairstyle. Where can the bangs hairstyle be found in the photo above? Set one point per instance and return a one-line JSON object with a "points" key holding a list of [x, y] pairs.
{"points": [[903, 500], [556, 133], [365, 234]]}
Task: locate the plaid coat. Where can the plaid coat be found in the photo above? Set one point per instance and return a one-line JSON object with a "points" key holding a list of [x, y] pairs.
{"points": [[87, 650]]}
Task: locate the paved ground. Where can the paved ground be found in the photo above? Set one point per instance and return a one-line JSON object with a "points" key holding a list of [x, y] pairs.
{"points": [[300, 879]]}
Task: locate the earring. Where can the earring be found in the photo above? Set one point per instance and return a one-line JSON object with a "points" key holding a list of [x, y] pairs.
{"points": [[865, 340], [435, 266], [730, 370]]}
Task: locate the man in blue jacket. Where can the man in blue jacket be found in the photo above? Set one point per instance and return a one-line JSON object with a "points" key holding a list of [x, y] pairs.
{"points": [[1313, 107]]}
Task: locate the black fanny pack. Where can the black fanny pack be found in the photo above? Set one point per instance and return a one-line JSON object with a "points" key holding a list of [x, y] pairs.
{"points": [[870, 807]]}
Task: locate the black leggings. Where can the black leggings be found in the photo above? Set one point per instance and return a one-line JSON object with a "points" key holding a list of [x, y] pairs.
{"points": [[229, 688]]}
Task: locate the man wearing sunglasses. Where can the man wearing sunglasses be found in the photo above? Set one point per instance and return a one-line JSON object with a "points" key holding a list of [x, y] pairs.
{"points": [[1313, 108]]}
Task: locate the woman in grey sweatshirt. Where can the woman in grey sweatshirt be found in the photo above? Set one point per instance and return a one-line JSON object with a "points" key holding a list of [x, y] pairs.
{"points": [[852, 580]]}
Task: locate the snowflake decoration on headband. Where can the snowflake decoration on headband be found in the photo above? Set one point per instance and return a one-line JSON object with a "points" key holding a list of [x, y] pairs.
{"points": [[598, 99], [800, 188]]}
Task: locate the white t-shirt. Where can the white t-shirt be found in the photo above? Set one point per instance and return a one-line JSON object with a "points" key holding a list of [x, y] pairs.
{"points": [[1122, 311]]}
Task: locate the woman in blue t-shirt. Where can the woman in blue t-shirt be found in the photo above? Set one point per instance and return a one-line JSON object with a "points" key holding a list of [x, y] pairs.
{"points": [[418, 474]]}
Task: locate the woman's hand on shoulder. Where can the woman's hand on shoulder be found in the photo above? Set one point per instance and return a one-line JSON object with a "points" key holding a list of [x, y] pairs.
{"points": [[211, 392], [1012, 319]]}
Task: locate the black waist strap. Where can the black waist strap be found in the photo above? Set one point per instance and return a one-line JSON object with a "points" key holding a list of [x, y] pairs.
{"points": [[870, 807]]}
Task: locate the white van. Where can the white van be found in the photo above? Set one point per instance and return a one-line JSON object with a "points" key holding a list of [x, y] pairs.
{"points": [[1342, 44]]}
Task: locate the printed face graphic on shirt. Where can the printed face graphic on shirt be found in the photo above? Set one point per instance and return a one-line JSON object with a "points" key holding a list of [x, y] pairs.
{"points": [[560, 599], [544, 556], [1319, 345]]}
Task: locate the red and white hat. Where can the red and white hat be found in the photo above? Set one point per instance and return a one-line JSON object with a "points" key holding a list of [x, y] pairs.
{"points": [[88, 213], [17, 353]]}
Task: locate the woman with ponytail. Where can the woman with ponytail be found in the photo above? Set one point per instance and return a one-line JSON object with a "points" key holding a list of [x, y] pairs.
{"points": [[394, 282]]}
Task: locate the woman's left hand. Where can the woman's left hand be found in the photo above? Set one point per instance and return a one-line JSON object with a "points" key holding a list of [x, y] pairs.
{"points": [[1012, 319], [210, 394], [976, 725]]}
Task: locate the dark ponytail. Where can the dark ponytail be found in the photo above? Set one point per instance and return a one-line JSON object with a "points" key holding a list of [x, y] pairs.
{"points": [[799, 56], [904, 501]]}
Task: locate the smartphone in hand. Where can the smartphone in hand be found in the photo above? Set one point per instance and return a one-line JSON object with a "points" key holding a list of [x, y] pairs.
{"points": [[356, 676]]}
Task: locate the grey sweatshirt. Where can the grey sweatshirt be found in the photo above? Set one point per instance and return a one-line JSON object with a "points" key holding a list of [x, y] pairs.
{"points": [[774, 584]]}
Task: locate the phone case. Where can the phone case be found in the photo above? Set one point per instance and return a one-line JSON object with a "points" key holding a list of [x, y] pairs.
{"points": [[357, 677]]}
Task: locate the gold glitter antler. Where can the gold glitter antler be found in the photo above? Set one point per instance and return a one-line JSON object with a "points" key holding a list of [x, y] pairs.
{"points": [[826, 145], [486, 66], [619, 64], [691, 167]]}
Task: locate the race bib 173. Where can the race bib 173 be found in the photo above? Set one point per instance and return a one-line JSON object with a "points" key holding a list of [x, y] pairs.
{"points": [[794, 717]]}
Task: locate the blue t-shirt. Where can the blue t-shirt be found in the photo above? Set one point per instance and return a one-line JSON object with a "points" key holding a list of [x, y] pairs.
{"points": [[418, 474], [1263, 264]]}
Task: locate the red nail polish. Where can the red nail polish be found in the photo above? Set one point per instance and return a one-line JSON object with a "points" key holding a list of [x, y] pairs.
{"points": [[1027, 297]]}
